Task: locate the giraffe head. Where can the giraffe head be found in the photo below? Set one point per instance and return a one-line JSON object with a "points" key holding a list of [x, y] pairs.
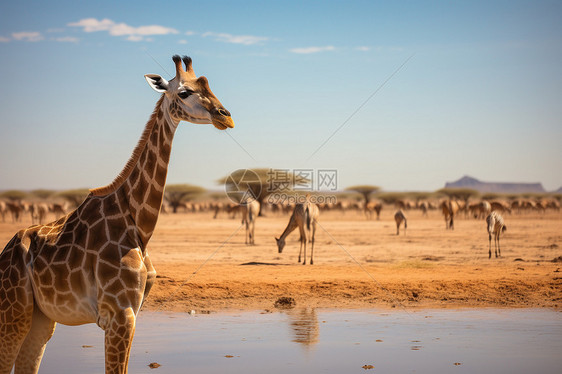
{"points": [[190, 98]]}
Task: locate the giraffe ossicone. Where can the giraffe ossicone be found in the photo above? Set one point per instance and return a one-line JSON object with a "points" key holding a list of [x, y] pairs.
{"points": [[92, 265]]}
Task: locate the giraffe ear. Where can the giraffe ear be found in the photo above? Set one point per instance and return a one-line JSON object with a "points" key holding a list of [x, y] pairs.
{"points": [[157, 83]]}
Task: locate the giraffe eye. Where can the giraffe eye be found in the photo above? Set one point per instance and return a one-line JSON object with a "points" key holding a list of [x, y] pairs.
{"points": [[184, 94]]}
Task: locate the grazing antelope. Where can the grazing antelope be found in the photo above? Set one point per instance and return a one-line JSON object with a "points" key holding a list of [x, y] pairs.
{"points": [[399, 217], [371, 206], [496, 226], [482, 209], [230, 209], [250, 211], [304, 217], [500, 206]]}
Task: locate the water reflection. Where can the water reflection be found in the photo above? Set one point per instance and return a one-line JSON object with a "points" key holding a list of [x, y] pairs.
{"points": [[432, 342], [304, 326]]}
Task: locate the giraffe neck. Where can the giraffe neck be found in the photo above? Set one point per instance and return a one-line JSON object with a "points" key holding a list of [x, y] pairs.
{"points": [[140, 186]]}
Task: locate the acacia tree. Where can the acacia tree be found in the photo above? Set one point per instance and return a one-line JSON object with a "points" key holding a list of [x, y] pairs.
{"points": [[43, 194], [365, 190], [13, 195], [459, 193], [392, 197], [419, 195], [75, 197], [176, 194], [260, 183]]}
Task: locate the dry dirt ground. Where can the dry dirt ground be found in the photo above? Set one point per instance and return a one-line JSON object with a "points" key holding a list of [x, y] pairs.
{"points": [[203, 263]]}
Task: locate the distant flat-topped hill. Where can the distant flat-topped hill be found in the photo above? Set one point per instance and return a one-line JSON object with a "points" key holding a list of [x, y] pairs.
{"points": [[497, 187]]}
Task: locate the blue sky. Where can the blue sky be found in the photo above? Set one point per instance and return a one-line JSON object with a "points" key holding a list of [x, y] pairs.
{"points": [[456, 88]]}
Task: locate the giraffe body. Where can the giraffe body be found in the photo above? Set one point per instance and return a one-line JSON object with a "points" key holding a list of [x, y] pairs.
{"points": [[92, 265]]}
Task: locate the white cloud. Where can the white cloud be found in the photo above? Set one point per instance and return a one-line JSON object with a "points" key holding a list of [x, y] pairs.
{"points": [[236, 39], [131, 33], [67, 39], [154, 30], [309, 50], [363, 49], [3, 39], [92, 24], [134, 38], [28, 36], [183, 41]]}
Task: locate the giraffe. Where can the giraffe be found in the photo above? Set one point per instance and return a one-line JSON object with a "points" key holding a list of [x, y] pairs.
{"points": [[250, 211], [399, 217], [495, 225], [92, 265], [305, 217]]}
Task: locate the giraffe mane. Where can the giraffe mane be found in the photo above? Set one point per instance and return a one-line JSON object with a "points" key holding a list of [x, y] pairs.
{"points": [[124, 174]]}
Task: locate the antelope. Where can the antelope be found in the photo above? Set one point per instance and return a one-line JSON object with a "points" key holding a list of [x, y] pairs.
{"points": [[399, 217], [305, 217], [250, 211], [496, 226], [449, 208]]}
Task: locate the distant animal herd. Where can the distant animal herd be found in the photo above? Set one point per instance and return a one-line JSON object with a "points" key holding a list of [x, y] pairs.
{"points": [[305, 216]]}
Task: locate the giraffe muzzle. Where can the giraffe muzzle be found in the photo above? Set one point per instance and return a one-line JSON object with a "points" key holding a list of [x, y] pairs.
{"points": [[221, 118]]}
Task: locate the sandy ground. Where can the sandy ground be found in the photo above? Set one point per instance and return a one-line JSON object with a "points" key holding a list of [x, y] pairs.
{"points": [[203, 263]]}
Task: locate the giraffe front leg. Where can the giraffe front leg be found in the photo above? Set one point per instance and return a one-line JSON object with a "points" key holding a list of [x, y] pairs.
{"points": [[118, 340], [33, 347]]}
